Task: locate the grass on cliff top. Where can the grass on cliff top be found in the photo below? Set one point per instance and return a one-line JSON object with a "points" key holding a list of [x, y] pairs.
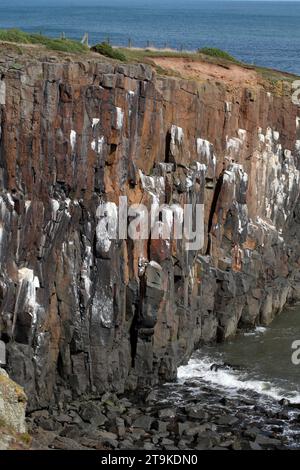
{"points": [[20, 37], [276, 79], [210, 53], [215, 52]]}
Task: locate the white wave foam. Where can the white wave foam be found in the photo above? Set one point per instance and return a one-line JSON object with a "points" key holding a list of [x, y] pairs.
{"points": [[259, 330], [232, 380]]}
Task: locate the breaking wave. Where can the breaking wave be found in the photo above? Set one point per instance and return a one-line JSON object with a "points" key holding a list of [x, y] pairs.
{"points": [[233, 381]]}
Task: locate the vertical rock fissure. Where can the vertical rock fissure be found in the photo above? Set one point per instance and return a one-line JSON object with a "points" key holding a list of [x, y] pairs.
{"points": [[213, 210], [168, 155], [134, 330]]}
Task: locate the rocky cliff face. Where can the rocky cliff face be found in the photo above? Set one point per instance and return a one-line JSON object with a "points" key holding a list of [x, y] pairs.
{"points": [[81, 313]]}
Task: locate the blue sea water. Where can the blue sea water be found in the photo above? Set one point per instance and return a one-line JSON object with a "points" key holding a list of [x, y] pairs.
{"points": [[264, 33]]}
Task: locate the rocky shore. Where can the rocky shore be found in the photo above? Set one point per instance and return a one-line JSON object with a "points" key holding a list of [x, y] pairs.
{"points": [[168, 418]]}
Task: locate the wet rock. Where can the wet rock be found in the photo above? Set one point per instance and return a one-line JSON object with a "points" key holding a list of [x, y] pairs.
{"points": [[252, 432], [227, 420], [191, 383], [266, 441], [284, 402], [295, 406]]}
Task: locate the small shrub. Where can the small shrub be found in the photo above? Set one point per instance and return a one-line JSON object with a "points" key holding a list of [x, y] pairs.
{"points": [[215, 52], [108, 51]]}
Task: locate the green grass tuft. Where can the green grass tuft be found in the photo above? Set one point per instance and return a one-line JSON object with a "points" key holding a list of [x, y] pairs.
{"points": [[108, 51], [14, 35], [63, 45], [215, 52]]}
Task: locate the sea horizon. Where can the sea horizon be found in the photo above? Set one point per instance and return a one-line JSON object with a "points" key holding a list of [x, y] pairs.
{"points": [[251, 31]]}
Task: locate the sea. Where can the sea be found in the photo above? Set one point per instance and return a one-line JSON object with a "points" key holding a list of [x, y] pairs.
{"points": [[259, 368], [264, 33], [265, 360]]}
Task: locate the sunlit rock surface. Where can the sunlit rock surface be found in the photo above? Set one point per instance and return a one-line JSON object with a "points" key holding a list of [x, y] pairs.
{"points": [[82, 313]]}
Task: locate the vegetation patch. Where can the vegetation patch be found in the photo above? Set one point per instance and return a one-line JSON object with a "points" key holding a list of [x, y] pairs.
{"points": [[108, 51], [215, 52], [63, 45]]}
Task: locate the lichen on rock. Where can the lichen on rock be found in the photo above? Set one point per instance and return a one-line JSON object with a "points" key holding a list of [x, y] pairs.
{"points": [[13, 403]]}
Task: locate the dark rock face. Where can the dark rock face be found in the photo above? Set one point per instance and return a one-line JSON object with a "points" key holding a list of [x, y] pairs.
{"points": [[81, 313]]}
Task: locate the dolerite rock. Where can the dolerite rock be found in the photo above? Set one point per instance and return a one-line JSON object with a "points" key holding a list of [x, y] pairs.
{"points": [[83, 312], [143, 422], [91, 413]]}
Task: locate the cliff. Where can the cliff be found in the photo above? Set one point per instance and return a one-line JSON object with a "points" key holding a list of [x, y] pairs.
{"points": [[81, 313]]}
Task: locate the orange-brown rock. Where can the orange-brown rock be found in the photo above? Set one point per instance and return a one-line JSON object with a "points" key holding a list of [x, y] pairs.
{"points": [[82, 313]]}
